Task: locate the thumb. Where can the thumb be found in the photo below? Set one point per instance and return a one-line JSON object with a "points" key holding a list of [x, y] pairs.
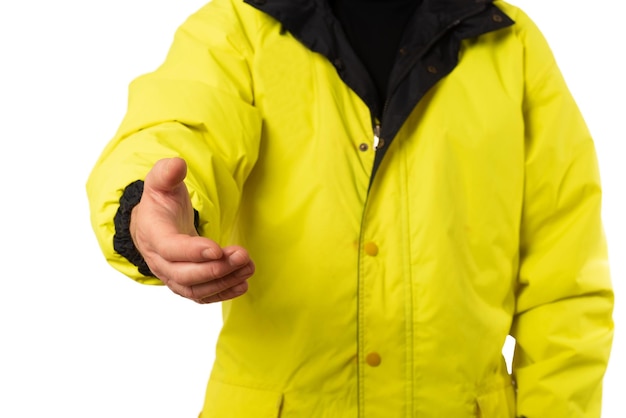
{"points": [[166, 174]]}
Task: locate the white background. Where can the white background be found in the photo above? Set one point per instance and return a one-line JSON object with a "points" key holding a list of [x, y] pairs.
{"points": [[77, 339]]}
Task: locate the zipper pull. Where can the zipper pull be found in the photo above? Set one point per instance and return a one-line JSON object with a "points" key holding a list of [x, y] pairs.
{"points": [[378, 141]]}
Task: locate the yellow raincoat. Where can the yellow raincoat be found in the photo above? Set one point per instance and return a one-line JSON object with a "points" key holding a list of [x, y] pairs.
{"points": [[386, 295]]}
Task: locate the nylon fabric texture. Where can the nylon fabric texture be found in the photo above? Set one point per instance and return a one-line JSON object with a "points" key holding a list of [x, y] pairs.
{"points": [[389, 297]]}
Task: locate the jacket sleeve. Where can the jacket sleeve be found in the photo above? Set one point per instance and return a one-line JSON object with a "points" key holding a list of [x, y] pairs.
{"points": [[198, 105], [563, 323]]}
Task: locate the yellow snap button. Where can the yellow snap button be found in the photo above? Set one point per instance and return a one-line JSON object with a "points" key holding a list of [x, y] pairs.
{"points": [[373, 359], [371, 249]]}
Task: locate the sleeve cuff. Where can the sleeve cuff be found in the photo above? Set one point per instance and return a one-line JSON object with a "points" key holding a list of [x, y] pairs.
{"points": [[122, 241]]}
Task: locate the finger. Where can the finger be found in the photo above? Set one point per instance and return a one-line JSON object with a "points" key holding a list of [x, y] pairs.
{"points": [[206, 290], [228, 294], [187, 274], [176, 247], [214, 287], [166, 174], [236, 255]]}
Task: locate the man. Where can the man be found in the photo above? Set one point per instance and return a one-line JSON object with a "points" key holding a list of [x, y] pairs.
{"points": [[414, 183]]}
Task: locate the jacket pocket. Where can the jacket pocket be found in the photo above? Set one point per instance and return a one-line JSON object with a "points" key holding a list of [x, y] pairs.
{"points": [[497, 403], [223, 400]]}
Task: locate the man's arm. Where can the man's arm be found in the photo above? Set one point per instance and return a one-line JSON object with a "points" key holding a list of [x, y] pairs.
{"points": [[563, 325], [198, 106]]}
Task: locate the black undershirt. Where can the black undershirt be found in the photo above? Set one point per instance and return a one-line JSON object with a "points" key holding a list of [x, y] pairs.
{"points": [[374, 29]]}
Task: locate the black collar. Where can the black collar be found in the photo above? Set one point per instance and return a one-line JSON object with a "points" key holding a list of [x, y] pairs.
{"points": [[428, 52]]}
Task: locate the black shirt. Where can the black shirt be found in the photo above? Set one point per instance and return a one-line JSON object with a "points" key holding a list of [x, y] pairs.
{"points": [[374, 29]]}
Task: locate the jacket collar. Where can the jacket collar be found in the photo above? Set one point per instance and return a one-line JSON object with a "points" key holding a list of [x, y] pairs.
{"points": [[313, 23], [297, 15], [428, 51]]}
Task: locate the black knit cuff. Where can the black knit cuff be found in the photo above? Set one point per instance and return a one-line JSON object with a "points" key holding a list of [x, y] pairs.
{"points": [[122, 240]]}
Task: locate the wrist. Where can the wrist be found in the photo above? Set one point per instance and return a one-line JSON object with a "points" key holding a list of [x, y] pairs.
{"points": [[123, 242]]}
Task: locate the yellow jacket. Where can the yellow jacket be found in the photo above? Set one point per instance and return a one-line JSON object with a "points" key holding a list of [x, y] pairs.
{"points": [[386, 295]]}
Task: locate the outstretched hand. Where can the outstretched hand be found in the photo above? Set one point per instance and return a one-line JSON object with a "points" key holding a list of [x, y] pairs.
{"points": [[163, 230]]}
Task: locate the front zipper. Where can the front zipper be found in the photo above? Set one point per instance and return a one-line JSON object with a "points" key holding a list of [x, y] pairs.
{"points": [[377, 139]]}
